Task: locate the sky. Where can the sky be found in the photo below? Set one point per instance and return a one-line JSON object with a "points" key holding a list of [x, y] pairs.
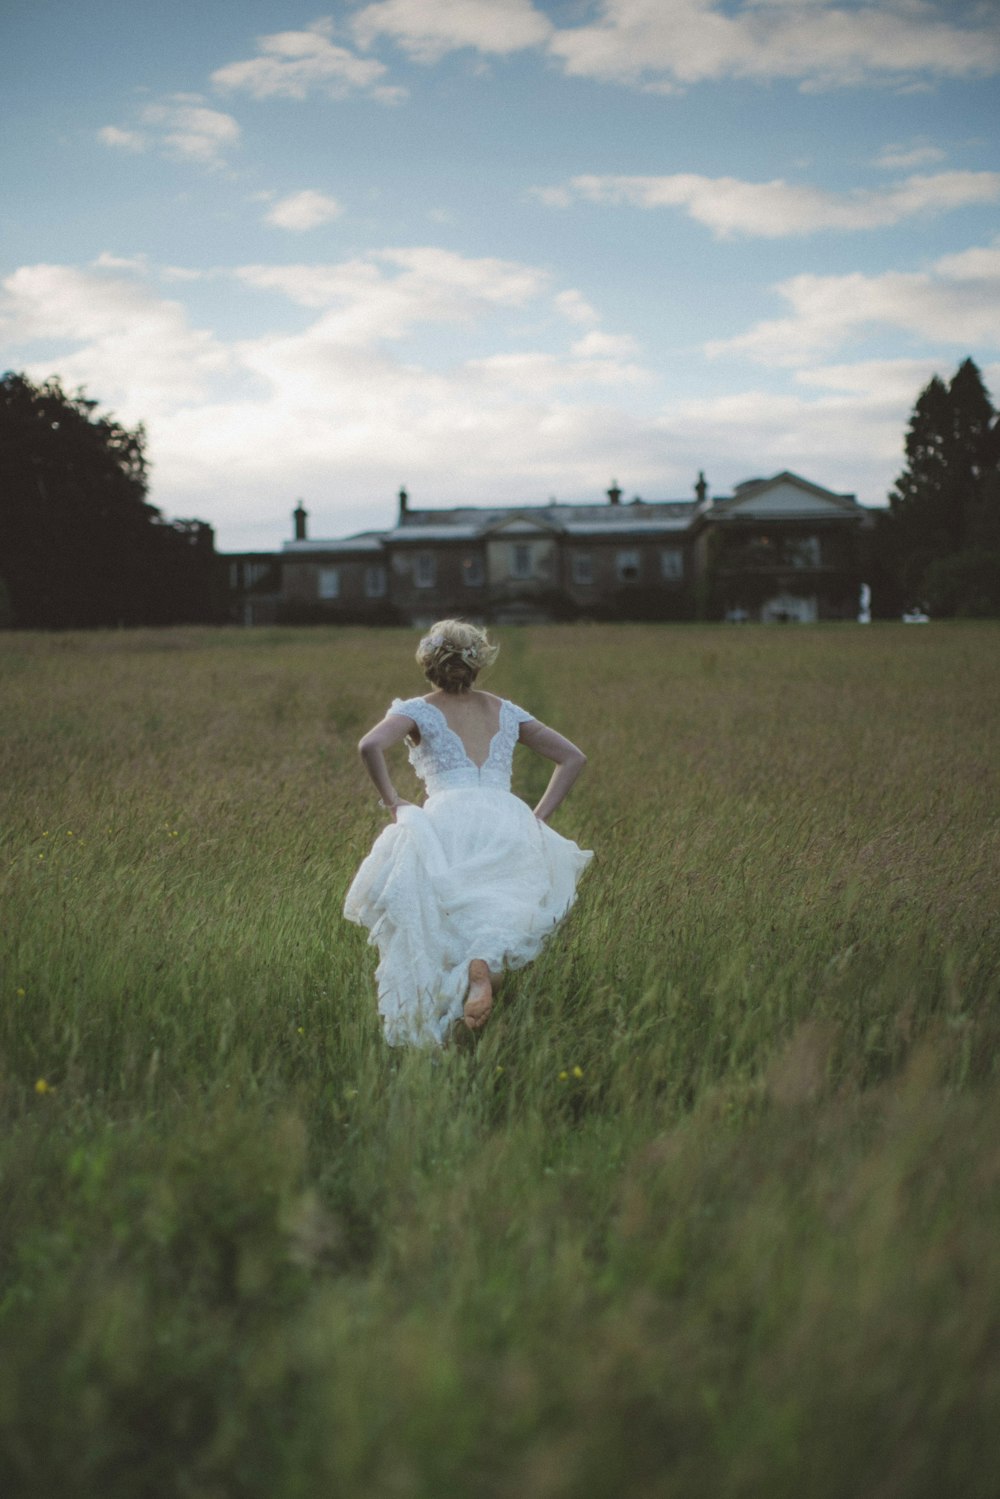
{"points": [[498, 251]]}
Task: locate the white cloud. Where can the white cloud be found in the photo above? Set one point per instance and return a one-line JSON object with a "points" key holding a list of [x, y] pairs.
{"points": [[663, 44], [303, 210], [954, 304], [295, 64], [530, 374], [904, 158], [107, 261], [427, 29], [982, 263], [598, 345], [387, 293], [181, 126], [191, 131], [133, 347], [341, 410], [772, 210], [575, 308], [121, 140]]}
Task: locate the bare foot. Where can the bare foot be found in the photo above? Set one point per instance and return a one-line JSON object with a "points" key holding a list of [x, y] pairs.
{"points": [[479, 1000]]}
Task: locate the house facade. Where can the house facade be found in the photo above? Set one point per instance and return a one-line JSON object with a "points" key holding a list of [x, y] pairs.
{"points": [[775, 549]]}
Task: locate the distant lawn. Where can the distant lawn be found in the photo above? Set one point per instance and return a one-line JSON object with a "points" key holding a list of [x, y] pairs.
{"points": [[712, 1210]]}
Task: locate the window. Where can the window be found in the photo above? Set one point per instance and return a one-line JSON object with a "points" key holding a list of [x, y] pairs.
{"points": [[802, 551], [472, 572], [583, 569], [671, 564], [329, 582], [424, 570], [627, 564], [374, 582], [520, 560]]}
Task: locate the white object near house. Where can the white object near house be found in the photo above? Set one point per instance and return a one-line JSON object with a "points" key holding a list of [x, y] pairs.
{"points": [[865, 606]]}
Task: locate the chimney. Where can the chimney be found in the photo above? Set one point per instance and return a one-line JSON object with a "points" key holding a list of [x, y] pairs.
{"points": [[300, 514], [614, 493], [701, 488], [404, 504]]}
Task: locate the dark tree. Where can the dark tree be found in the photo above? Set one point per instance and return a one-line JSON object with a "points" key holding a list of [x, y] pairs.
{"points": [[79, 543], [946, 502]]}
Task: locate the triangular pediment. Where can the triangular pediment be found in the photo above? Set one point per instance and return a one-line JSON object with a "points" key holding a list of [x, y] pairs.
{"points": [[785, 495], [521, 523]]}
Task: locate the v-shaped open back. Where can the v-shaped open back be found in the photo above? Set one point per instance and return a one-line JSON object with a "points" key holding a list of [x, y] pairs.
{"points": [[440, 757], [477, 764]]}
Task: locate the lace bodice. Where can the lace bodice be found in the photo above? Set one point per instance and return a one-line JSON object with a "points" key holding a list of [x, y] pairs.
{"points": [[440, 759]]}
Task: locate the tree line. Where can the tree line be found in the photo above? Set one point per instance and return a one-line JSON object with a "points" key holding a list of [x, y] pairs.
{"points": [[80, 545]]}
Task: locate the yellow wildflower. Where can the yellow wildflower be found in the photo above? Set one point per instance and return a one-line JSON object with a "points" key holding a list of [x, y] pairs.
{"points": [[577, 1072], [42, 1086], [20, 993], [563, 1076]]}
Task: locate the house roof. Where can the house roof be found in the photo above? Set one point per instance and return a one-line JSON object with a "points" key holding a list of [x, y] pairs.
{"points": [[783, 496]]}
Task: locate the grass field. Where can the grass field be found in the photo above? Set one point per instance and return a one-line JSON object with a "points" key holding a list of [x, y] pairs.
{"points": [[713, 1208]]}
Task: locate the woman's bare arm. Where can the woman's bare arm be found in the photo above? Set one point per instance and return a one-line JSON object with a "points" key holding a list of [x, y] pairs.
{"points": [[372, 750], [569, 761]]}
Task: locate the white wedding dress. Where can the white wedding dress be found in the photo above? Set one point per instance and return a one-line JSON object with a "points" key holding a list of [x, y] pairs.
{"points": [[470, 874]]}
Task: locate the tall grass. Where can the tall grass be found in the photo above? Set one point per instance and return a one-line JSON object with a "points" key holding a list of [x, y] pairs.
{"points": [[712, 1208]]}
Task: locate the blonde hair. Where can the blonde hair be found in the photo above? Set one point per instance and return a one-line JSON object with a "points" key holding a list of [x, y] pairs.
{"points": [[453, 653]]}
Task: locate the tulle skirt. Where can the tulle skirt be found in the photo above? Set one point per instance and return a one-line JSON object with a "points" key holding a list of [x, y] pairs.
{"points": [[470, 874]]}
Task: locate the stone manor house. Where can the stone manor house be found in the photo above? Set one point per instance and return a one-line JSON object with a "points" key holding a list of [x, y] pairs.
{"points": [[775, 549]]}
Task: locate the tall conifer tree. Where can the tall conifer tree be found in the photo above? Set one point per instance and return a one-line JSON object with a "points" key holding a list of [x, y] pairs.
{"points": [[946, 502]]}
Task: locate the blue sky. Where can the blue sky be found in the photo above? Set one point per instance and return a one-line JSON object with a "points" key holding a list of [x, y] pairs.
{"points": [[498, 250]]}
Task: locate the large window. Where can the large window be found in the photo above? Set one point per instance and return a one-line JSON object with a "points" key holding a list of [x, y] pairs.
{"points": [[375, 582], [671, 564], [627, 564], [425, 570], [472, 571], [802, 551], [520, 560], [329, 582], [583, 569]]}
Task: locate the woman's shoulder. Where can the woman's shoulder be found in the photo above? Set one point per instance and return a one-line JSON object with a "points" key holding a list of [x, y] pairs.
{"points": [[407, 707]]}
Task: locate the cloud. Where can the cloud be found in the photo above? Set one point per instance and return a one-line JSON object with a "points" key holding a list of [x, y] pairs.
{"points": [[598, 345], [387, 293], [121, 140], [295, 64], [191, 131], [575, 307], [341, 410], [235, 427], [773, 210], [119, 336], [529, 374], [182, 127], [427, 29], [955, 304], [665, 44], [303, 210], [905, 158]]}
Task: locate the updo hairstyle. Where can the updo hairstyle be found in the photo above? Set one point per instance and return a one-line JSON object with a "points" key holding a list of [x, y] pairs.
{"points": [[453, 653]]}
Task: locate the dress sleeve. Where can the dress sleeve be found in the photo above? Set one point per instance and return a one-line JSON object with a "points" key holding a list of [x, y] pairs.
{"points": [[404, 707], [520, 715]]}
